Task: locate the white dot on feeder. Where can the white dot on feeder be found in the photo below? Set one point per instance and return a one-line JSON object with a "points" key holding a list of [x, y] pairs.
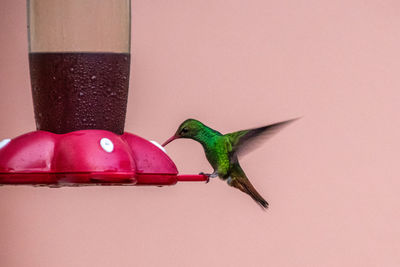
{"points": [[4, 142], [107, 145], [158, 145]]}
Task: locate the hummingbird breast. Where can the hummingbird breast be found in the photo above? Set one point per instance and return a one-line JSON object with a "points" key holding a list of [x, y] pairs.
{"points": [[218, 156]]}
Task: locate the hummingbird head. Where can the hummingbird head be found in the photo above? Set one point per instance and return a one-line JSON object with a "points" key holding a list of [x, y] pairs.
{"points": [[188, 129]]}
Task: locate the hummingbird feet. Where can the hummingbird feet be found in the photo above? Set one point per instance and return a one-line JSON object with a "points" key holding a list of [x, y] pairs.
{"points": [[209, 175]]}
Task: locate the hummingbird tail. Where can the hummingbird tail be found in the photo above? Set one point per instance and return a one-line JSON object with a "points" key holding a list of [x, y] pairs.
{"points": [[257, 197], [245, 186]]}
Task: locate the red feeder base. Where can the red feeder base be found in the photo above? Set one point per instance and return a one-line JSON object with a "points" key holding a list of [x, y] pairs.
{"points": [[86, 157]]}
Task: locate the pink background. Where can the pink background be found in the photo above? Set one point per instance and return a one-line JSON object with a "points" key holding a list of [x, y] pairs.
{"points": [[332, 178]]}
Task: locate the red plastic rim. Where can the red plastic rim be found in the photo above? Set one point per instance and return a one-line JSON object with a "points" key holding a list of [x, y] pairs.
{"points": [[87, 157]]}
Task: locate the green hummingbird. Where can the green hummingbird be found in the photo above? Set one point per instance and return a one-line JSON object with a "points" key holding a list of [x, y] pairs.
{"points": [[222, 151]]}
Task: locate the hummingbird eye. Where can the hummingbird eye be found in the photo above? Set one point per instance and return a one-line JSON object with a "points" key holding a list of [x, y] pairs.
{"points": [[184, 130]]}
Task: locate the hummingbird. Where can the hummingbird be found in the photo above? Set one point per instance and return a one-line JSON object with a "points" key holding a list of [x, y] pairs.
{"points": [[223, 150]]}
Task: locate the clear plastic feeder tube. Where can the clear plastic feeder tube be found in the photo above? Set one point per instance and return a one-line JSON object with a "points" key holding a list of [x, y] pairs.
{"points": [[79, 55]]}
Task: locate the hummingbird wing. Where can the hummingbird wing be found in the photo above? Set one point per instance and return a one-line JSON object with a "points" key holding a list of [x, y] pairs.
{"points": [[246, 140], [239, 180]]}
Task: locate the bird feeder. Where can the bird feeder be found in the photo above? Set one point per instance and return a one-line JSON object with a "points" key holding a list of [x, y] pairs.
{"points": [[79, 56]]}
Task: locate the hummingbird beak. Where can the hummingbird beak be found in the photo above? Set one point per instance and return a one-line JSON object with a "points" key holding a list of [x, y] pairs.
{"points": [[170, 140]]}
